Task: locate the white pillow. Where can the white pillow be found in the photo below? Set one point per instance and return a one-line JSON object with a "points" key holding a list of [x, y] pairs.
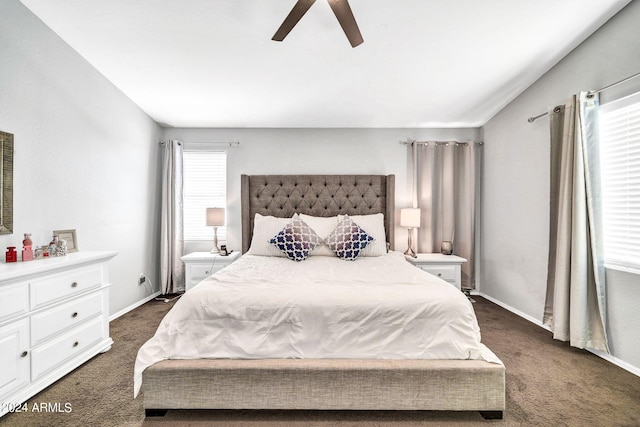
{"points": [[264, 228], [374, 226], [323, 226]]}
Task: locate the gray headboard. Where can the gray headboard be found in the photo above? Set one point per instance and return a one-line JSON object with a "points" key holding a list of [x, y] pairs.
{"points": [[317, 195]]}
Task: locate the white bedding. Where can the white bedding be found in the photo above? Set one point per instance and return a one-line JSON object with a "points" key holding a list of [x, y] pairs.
{"points": [[271, 307]]}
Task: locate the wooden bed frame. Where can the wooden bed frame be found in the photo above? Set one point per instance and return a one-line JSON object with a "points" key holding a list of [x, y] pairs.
{"points": [[323, 384]]}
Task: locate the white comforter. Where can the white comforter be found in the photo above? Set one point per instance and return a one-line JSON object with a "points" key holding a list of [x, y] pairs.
{"points": [[323, 307]]}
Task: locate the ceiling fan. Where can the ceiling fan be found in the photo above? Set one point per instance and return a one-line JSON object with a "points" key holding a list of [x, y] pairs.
{"points": [[340, 8]]}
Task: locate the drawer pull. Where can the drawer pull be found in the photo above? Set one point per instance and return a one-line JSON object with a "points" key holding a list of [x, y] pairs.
{"points": [[74, 285], [75, 344], [75, 314], [24, 354]]}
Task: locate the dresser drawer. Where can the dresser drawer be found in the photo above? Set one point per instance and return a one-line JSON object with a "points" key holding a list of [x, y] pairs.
{"points": [[62, 286], [444, 272], [14, 301], [50, 322], [65, 347]]}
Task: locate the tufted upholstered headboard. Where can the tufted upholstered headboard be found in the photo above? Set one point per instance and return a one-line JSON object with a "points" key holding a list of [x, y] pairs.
{"points": [[317, 195]]}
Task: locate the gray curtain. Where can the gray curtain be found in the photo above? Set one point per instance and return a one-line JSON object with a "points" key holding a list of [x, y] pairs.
{"points": [[171, 223], [575, 300], [448, 192]]}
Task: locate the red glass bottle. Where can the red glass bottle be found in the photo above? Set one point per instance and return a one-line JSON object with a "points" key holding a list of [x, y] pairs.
{"points": [[12, 255]]}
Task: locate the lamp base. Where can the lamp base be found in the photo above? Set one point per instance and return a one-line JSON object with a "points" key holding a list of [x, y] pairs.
{"points": [[410, 252], [215, 249]]}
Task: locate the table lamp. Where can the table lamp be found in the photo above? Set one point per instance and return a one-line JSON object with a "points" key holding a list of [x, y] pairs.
{"points": [[215, 218], [410, 218]]}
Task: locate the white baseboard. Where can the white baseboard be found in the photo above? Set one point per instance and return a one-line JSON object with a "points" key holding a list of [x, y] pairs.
{"points": [[133, 306], [621, 363], [515, 311], [609, 358]]}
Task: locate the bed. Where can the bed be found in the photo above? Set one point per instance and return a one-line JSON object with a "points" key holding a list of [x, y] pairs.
{"points": [[370, 369]]}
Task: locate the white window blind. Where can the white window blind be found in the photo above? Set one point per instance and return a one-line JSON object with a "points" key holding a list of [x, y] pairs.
{"points": [[620, 156], [205, 186]]}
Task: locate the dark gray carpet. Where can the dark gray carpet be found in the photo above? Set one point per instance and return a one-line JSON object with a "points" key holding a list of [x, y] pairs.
{"points": [[548, 384]]}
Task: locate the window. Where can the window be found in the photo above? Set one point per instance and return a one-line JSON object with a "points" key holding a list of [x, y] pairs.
{"points": [[620, 154], [205, 186]]}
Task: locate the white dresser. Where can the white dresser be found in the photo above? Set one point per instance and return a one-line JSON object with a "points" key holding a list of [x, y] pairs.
{"points": [[199, 265], [54, 316], [446, 267]]}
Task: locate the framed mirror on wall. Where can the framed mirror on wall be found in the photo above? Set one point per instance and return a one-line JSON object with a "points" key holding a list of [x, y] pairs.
{"points": [[6, 183]]}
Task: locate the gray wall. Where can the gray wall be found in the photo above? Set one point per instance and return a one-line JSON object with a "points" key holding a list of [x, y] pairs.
{"points": [[516, 183], [314, 151], [85, 156]]}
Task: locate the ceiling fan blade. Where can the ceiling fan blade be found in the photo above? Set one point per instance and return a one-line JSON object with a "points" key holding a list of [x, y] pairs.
{"points": [[343, 12], [299, 9]]}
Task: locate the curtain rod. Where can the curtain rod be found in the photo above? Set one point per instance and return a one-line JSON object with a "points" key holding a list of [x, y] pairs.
{"points": [[534, 118], [230, 144], [412, 142]]}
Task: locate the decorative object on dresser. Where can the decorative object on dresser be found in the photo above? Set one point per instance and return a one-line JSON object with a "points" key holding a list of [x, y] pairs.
{"points": [[61, 248], [27, 248], [70, 238], [54, 316], [446, 267], [410, 217], [199, 265], [215, 218], [11, 255], [51, 249]]}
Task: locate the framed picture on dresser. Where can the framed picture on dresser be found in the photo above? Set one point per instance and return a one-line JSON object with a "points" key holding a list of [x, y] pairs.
{"points": [[70, 237]]}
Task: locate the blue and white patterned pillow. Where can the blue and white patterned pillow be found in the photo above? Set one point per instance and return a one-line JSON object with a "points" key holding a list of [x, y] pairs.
{"points": [[348, 239], [296, 239]]}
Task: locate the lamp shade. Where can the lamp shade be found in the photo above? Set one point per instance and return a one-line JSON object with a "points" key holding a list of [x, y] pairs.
{"points": [[215, 216], [410, 217]]}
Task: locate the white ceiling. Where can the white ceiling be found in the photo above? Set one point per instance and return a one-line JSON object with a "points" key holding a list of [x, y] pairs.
{"points": [[424, 63]]}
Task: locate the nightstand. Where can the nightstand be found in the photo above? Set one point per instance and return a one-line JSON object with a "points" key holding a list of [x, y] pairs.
{"points": [[198, 265], [446, 267]]}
